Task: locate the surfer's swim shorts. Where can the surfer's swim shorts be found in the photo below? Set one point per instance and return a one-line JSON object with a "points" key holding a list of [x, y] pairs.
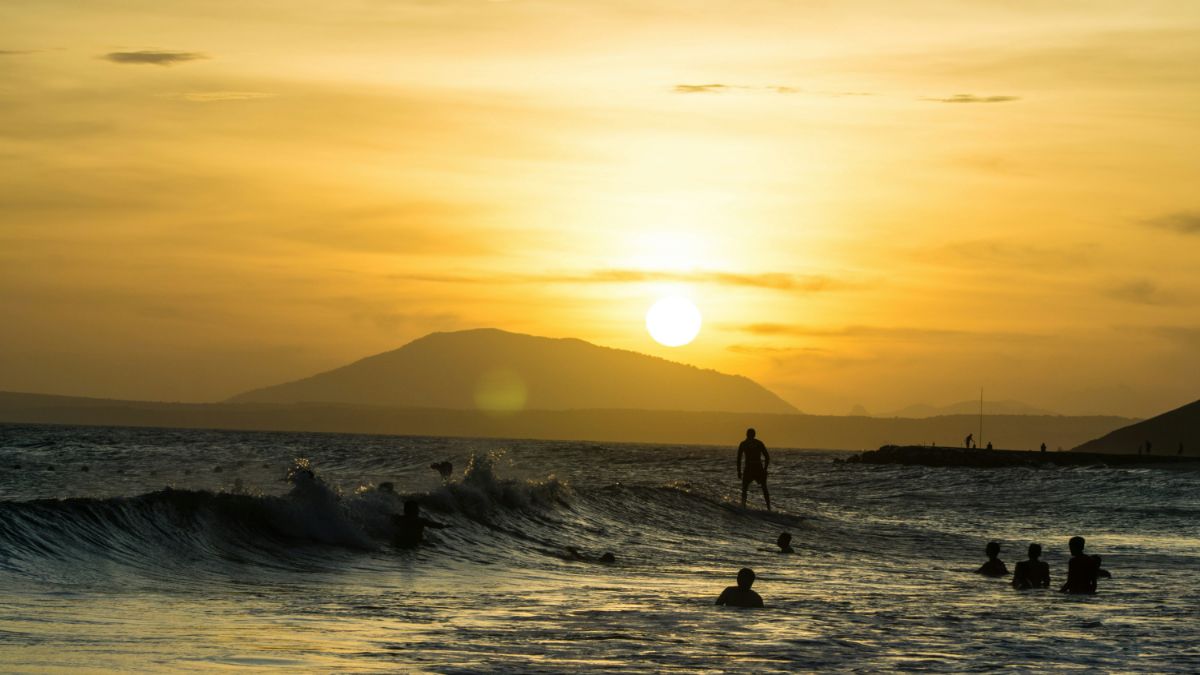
{"points": [[754, 472]]}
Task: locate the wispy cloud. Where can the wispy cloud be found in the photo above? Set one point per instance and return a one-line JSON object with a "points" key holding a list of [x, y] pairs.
{"points": [[723, 88], [15, 52], [804, 283], [972, 98], [218, 96], [155, 58], [1011, 253], [1140, 292], [1184, 335], [895, 333], [700, 88], [1183, 222]]}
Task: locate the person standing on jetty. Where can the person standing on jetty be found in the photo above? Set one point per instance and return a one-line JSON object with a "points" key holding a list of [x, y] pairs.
{"points": [[757, 462]]}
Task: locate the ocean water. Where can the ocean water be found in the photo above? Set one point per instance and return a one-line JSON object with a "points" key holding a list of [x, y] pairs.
{"points": [[179, 550]]}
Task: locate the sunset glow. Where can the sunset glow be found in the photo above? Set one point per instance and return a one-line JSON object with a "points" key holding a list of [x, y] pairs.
{"points": [[881, 205]]}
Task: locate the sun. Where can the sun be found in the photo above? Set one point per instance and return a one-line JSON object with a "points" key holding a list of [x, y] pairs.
{"points": [[673, 321]]}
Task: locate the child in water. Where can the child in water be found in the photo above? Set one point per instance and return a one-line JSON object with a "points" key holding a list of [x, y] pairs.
{"points": [[994, 567], [784, 542], [410, 527]]}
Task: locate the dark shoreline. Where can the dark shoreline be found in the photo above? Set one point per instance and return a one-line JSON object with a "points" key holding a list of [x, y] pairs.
{"points": [[924, 455]]}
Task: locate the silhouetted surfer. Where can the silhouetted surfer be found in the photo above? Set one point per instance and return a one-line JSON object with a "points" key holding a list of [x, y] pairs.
{"points": [[741, 595], [969, 440], [994, 567], [1032, 573], [410, 527], [757, 461], [1082, 570]]}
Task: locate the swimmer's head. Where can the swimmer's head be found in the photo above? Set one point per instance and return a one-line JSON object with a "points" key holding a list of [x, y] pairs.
{"points": [[750, 432], [412, 508], [1076, 545], [745, 578], [1035, 551], [784, 540], [993, 549], [608, 557]]}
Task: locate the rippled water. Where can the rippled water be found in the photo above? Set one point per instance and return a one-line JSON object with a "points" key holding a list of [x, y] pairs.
{"points": [[162, 549]]}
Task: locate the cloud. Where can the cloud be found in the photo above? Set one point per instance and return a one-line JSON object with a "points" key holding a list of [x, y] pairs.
{"points": [[1183, 222], [15, 52], [1188, 336], [700, 88], [791, 357], [217, 96], [893, 333], [1140, 292], [805, 283], [722, 88], [972, 98], [155, 58], [1012, 254]]}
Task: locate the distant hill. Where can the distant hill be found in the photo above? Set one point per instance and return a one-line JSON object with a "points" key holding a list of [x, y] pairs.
{"points": [[490, 369], [646, 426], [921, 410], [1165, 433]]}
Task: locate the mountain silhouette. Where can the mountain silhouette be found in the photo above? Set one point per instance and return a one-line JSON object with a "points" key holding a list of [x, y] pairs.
{"points": [[494, 370], [1164, 432]]}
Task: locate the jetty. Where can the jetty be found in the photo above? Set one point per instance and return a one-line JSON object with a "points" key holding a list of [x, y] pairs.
{"points": [[926, 455]]}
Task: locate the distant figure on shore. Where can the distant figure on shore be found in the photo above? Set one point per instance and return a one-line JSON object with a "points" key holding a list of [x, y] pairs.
{"points": [[1043, 446], [1032, 573], [994, 567], [410, 527], [1147, 447], [969, 441], [757, 462], [741, 595], [784, 542], [989, 445], [1082, 570], [444, 469]]}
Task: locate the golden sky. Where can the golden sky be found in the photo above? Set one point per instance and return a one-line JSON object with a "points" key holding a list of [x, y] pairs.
{"points": [[871, 203]]}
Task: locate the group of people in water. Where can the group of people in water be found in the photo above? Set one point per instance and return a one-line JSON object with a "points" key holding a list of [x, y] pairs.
{"points": [[1082, 571]]}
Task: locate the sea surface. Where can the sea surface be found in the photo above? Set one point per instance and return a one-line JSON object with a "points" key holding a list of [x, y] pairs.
{"points": [[179, 550]]}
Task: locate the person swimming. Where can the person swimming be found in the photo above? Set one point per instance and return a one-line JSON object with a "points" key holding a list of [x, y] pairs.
{"points": [[784, 542], [410, 527], [1082, 570], [1032, 573], [741, 595], [994, 567]]}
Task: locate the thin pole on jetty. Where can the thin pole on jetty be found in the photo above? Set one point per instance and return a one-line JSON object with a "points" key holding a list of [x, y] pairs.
{"points": [[981, 414]]}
